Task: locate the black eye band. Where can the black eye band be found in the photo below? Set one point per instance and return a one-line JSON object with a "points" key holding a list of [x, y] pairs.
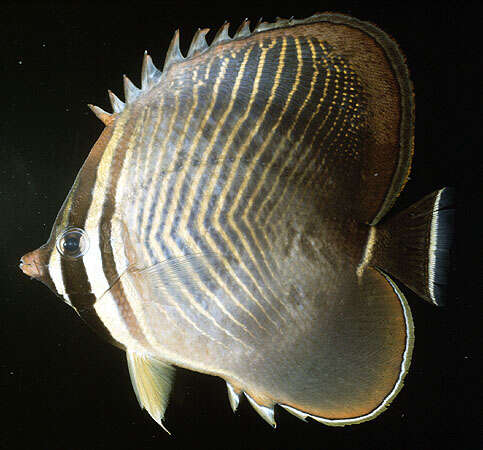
{"points": [[73, 243]]}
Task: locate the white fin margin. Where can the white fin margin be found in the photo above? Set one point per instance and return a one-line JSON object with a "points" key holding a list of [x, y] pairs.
{"points": [[433, 244], [399, 383]]}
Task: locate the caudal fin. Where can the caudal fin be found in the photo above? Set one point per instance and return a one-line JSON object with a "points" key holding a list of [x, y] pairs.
{"points": [[413, 246]]}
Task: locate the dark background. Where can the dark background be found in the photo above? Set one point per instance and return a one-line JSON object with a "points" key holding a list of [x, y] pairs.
{"points": [[63, 388]]}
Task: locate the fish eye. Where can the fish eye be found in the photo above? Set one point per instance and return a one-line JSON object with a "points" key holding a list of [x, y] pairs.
{"points": [[72, 243]]}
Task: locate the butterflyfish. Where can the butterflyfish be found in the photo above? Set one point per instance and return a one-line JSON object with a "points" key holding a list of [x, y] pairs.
{"points": [[233, 219]]}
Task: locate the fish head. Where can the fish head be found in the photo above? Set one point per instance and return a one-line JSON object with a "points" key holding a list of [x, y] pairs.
{"points": [[75, 241], [61, 256]]}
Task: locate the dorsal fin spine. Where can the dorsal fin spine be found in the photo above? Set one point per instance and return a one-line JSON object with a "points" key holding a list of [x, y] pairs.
{"points": [[131, 92], [198, 44], [243, 30], [259, 25], [222, 34], [116, 103], [102, 115], [150, 74], [174, 53], [281, 22]]}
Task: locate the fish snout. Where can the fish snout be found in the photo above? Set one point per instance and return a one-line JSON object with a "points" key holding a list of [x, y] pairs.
{"points": [[35, 265], [32, 265]]}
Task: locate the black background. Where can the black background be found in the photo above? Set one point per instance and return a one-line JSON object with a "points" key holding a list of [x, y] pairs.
{"points": [[63, 388]]}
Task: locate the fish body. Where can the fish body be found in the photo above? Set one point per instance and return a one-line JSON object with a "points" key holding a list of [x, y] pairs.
{"points": [[229, 220]]}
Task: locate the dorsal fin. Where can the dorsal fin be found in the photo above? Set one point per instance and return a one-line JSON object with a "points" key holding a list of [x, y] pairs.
{"points": [[376, 198], [151, 75]]}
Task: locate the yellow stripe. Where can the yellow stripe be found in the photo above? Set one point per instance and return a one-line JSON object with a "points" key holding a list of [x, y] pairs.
{"points": [[198, 176], [188, 295], [103, 170], [185, 317], [367, 254], [276, 153], [279, 198], [138, 191], [241, 152], [189, 203], [214, 177], [256, 158], [163, 194], [289, 157], [150, 200], [151, 154], [122, 204], [186, 164], [174, 204], [316, 173]]}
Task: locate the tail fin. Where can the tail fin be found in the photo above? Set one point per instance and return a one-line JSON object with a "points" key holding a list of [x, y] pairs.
{"points": [[414, 245]]}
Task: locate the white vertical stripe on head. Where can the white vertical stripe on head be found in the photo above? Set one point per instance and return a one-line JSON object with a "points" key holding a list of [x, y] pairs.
{"points": [[93, 258], [55, 271]]}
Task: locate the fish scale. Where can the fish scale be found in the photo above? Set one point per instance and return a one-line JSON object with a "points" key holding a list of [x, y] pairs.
{"points": [[227, 221]]}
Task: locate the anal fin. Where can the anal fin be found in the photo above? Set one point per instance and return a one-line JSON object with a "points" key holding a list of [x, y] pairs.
{"points": [[152, 381]]}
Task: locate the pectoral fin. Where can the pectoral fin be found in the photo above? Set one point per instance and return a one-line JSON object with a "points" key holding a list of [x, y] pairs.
{"points": [[152, 381]]}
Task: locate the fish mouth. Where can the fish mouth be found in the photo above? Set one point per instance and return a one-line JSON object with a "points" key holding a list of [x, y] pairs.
{"points": [[32, 264]]}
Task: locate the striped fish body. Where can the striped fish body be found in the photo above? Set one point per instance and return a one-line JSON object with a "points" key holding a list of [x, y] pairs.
{"points": [[225, 220]]}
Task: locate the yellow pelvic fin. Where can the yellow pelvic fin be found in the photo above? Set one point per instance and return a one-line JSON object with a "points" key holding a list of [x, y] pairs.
{"points": [[152, 381]]}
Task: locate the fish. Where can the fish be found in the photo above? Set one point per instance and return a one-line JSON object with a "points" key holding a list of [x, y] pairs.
{"points": [[233, 219]]}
